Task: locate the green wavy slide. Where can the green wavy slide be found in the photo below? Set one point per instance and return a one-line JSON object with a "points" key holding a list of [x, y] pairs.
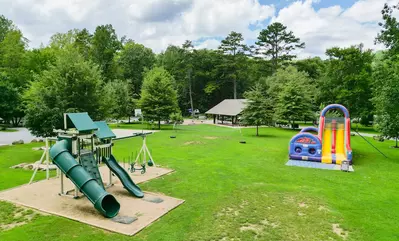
{"points": [[122, 174]]}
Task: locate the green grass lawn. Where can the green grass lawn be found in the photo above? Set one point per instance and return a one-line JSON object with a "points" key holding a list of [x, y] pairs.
{"points": [[239, 191], [140, 126], [8, 130], [365, 129]]}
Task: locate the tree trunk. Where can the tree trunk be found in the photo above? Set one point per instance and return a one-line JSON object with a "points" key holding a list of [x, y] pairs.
{"points": [[190, 93], [235, 88], [16, 121], [257, 130], [235, 74], [159, 124], [396, 142], [129, 119]]}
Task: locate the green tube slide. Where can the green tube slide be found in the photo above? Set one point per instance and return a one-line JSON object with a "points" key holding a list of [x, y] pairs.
{"points": [[104, 202]]}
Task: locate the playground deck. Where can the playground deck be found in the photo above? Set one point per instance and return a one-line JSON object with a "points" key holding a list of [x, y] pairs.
{"points": [[43, 196]]}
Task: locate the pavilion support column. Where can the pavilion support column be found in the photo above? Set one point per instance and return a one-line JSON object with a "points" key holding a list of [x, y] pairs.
{"points": [[214, 119], [222, 118]]}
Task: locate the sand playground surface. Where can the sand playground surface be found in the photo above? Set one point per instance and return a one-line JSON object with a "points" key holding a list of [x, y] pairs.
{"points": [[44, 196]]}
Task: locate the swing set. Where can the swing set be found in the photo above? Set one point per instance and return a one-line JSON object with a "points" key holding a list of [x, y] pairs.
{"points": [[141, 158]]}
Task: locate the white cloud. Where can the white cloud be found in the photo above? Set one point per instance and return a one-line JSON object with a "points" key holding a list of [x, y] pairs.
{"points": [[155, 23], [158, 10], [158, 23], [367, 10], [332, 26]]}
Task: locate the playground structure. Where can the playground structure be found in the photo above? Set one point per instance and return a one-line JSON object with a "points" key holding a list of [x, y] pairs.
{"points": [[81, 146], [77, 151], [331, 145]]}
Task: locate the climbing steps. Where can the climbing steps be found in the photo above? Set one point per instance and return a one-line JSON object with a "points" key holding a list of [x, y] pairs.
{"points": [[90, 164]]}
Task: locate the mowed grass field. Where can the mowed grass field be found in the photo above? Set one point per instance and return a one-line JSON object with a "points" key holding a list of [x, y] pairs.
{"points": [[236, 191]]}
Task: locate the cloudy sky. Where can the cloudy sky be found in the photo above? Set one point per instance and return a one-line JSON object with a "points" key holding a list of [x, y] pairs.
{"points": [[157, 23]]}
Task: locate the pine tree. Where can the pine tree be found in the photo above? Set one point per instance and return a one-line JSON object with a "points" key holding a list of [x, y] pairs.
{"points": [[158, 97], [234, 49], [259, 109], [278, 44]]}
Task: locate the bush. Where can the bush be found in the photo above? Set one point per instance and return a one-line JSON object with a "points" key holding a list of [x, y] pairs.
{"points": [[176, 118]]}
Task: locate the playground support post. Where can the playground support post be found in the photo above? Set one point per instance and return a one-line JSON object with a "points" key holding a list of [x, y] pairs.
{"points": [[110, 173], [47, 160], [44, 157]]}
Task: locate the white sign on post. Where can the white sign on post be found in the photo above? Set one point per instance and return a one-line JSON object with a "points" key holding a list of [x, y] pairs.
{"points": [[137, 112]]}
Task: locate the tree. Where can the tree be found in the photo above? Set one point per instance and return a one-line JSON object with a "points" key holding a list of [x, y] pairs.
{"points": [[292, 93], [118, 101], [38, 60], [179, 61], [10, 103], [314, 67], [83, 42], [63, 40], [6, 25], [105, 44], [133, 60], [234, 49], [293, 104], [15, 75], [389, 34], [386, 96], [259, 108], [277, 43], [348, 79], [70, 85], [176, 118], [158, 97], [13, 58], [188, 51]]}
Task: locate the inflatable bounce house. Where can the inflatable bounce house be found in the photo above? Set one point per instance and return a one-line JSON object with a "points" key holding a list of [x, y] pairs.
{"points": [[331, 145]]}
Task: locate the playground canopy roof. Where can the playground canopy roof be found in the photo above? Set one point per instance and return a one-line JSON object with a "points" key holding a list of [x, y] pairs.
{"points": [[103, 132], [81, 121], [228, 107]]}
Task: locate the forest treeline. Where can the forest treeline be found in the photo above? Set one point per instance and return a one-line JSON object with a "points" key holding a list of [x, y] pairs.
{"points": [[109, 76]]}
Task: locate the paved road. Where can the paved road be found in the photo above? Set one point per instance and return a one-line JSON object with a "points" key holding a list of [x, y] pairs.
{"points": [[6, 138]]}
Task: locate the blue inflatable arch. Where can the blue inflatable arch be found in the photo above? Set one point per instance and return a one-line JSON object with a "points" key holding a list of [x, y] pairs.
{"points": [[309, 128], [335, 106]]}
